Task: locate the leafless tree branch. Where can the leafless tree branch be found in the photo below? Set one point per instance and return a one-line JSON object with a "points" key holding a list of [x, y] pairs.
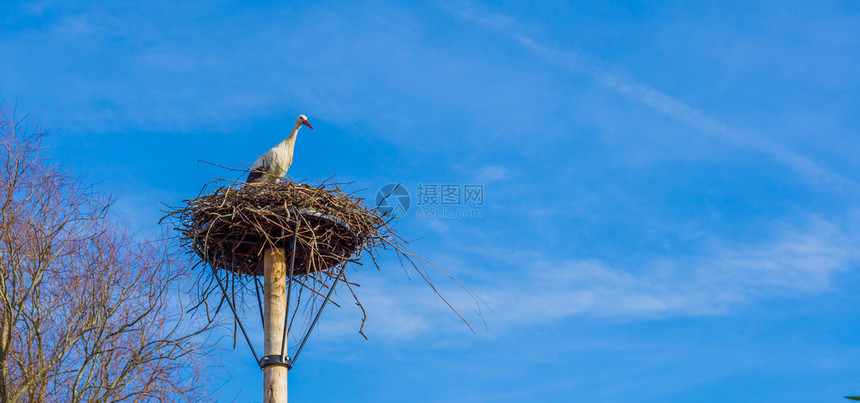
{"points": [[87, 312]]}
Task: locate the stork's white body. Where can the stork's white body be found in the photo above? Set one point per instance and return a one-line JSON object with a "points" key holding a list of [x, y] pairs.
{"points": [[274, 164]]}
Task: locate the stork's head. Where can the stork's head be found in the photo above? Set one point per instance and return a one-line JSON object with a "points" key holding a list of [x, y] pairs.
{"points": [[303, 120]]}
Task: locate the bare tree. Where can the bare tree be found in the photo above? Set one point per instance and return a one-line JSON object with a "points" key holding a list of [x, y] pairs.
{"points": [[87, 313]]}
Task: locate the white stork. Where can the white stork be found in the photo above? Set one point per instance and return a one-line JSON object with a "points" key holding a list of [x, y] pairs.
{"points": [[273, 164]]}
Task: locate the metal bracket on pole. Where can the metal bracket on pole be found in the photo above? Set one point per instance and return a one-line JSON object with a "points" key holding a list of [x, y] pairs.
{"points": [[283, 355], [236, 315], [282, 359], [276, 359], [319, 312]]}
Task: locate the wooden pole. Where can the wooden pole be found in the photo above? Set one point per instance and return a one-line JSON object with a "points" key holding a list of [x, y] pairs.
{"points": [[275, 292]]}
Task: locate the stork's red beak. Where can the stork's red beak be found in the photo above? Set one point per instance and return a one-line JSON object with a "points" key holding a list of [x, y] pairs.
{"points": [[308, 124]]}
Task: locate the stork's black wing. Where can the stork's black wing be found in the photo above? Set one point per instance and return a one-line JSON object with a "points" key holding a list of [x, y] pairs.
{"points": [[255, 176], [260, 170]]}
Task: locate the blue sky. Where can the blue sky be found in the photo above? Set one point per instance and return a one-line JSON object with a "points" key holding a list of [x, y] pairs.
{"points": [[669, 191]]}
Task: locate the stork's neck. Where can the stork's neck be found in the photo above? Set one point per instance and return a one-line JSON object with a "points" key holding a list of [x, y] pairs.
{"points": [[290, 141]]}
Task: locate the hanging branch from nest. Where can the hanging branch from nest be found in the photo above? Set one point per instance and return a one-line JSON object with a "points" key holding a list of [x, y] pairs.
{"points": [[230, 227]]}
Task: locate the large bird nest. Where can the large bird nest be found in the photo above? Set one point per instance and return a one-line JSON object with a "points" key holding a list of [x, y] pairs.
{"points": [[229, 228]]}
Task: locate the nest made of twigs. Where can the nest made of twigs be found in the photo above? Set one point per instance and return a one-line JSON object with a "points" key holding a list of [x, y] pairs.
{"points": [[230, 227]]}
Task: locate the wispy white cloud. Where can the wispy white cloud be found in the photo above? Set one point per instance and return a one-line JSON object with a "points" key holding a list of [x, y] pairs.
{"points": [[800, 262], [533, 288], [394, 311], [120, 68], [610, 77], [491, 173]]}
